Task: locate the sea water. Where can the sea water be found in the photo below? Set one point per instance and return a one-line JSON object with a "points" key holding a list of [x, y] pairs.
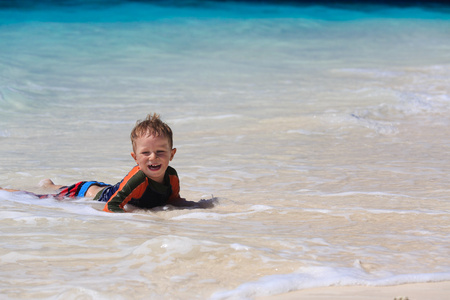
{"points": [[315, 138]]}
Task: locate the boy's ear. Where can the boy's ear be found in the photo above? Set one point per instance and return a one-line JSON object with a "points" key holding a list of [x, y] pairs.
{"points": [[172, 153], [133, 155]]}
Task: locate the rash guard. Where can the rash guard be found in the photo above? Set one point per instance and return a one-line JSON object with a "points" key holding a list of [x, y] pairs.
{"points": [[139, 190]]}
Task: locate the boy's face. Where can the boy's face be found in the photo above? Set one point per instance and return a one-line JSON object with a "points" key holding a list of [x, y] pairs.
{"points": [[153, 155]]}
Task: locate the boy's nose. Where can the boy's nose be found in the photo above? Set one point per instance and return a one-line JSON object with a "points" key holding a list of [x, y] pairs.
{"points": [[152, 156]]}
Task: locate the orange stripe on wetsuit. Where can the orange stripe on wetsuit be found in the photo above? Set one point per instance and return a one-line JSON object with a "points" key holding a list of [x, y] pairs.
{"points": [[175, 184], [113, 206]]}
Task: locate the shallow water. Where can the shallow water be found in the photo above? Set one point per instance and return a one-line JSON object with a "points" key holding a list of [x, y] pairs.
{"points": [[318, 135]]}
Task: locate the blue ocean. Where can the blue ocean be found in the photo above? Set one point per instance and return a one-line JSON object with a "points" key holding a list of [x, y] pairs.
{"points": [[317, 133]]}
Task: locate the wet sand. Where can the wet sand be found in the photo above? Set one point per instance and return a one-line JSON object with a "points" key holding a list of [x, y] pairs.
{"points": [[414, 291]]}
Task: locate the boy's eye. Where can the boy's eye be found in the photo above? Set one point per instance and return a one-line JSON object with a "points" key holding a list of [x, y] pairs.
{"points": [[159, 152]]}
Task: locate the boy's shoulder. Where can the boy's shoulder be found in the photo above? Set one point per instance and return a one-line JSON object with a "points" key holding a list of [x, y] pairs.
{"points": [[171, 171], [135, 177]]}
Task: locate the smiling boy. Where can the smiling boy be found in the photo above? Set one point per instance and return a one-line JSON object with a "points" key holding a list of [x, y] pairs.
{"points": [[151, 183]]}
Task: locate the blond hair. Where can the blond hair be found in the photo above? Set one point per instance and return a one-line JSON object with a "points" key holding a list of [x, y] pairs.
{"points": [[152, 125]]}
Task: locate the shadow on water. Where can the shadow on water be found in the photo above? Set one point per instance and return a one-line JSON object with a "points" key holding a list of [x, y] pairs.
{"points": [[184, 204]]}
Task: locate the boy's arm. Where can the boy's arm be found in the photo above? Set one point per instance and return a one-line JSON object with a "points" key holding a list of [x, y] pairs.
{"points": [[182, 202], [117, 202], [132, 186], [175, 198], [175, 186]]}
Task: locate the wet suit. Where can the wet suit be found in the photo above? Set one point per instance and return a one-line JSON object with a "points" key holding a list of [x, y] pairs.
{"points": [[136, 189]]}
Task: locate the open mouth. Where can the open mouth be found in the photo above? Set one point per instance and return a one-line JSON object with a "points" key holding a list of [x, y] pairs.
{"points": [[154, 167]]}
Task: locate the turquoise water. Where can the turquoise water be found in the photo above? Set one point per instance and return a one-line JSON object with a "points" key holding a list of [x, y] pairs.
{"points": [[321, 133]]}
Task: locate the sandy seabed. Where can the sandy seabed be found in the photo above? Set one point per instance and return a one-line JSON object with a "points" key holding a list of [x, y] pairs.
{"points": [[413, 291]]}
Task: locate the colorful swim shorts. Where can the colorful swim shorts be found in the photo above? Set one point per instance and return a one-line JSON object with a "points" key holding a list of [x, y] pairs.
{"points": [[78, 189]]}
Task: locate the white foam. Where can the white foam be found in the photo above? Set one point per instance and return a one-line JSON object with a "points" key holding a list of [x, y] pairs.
{"points": [[182, 278], [218, 216], [204, 118], [310, 277], [13, 257], [76, 292], [239, 247], [204, 216], [5, 133], [305, 132], [375, 73], [353, 193]]}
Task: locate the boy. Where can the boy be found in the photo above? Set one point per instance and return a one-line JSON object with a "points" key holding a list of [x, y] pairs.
{"points": [[152, 182]]}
